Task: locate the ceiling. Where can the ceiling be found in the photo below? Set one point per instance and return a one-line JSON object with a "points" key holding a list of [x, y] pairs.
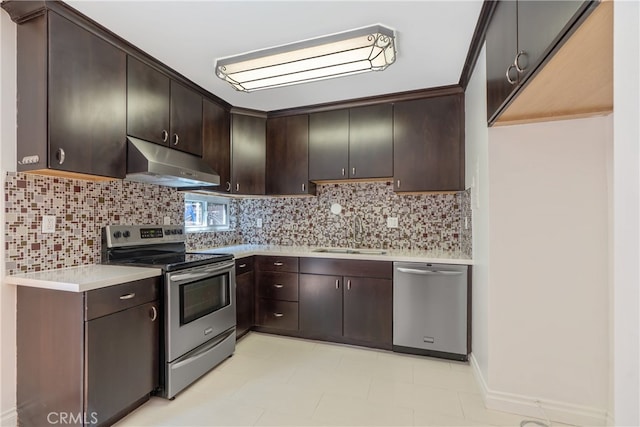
{"points": [[433, 38]]}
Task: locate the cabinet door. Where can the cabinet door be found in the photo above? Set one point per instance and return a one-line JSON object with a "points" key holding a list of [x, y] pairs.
{"points": [[245, 303], [288, 155], [186, 119], [121, 359], [321, 305], [541, 25], [502, 47], [428, 144], [329, 145], [248, 146], [147, 102], [87, 101], [216, 141], [368, 310], [371, 141]]}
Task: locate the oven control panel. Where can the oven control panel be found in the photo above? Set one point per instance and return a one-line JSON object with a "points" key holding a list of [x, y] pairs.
{"points": [[130, 235]]}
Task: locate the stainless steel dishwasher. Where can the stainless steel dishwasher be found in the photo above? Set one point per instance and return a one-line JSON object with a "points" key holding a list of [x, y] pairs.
{"points": [[430, 306]]}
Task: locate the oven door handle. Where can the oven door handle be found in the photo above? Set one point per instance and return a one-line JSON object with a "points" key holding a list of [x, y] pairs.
{"points": [[180, 277]]}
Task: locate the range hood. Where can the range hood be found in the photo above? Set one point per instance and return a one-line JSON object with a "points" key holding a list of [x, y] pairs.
{"points": [[154, 164]]}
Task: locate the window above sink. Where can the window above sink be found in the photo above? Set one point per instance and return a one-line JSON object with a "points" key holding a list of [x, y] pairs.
{"points": [[205, 213]]}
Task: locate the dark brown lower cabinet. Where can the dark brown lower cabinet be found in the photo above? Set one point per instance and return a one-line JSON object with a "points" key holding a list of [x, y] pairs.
{"points": [[86, 359], [321, 305], [245, 296], [349, 308], [119, 364], [368, 310], [278, 314]]}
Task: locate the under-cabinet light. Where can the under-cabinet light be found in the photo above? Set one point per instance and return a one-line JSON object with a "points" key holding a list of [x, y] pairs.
{"points": [[364, 49]]}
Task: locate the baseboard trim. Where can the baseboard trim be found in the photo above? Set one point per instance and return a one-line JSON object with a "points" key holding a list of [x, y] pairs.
{"points": [[539, 408], [9, 418]]}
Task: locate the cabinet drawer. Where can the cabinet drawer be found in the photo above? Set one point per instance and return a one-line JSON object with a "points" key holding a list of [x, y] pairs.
{"points": [[347, 267], [244, 265], [111, 299], [277, 263], [276, 285], [278, 314]]}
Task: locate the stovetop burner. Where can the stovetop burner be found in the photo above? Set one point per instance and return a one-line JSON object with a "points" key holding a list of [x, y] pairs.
{"points": [[152, 246]]}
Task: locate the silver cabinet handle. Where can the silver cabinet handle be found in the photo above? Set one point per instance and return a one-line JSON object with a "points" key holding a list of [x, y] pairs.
{"points": [[237, 186], [337, 283], [278, 264], [177, 139], [228, 186], [398, 183], [349, 285], [154, 313], [342, 171], [304, 187], [242, 265], [507, 74], [516, 62], [165, 135], [60, 156], [353, 171], [278, 314], [128, 296], [278, 286]]}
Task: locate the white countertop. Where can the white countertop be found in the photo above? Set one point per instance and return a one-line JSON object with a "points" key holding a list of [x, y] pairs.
{"points": [[440, 257], [82, 278]]}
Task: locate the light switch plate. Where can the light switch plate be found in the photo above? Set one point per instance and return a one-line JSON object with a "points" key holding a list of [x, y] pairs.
{"points": [[167, 220], [259, 222], [392, 222], [48, 223]]}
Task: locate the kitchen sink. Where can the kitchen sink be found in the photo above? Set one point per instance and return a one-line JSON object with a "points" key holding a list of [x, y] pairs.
{"points": [[350, 251]]}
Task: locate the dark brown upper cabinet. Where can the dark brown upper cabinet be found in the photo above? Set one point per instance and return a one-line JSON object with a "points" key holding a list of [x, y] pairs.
{"points": [[161, 110], [248, 145], [329, 145], [288, 155], [351, 143], [72, 99], [186, 119], [216, 141], [521, 36], [428, 144], [148, 93], [371, 141]]}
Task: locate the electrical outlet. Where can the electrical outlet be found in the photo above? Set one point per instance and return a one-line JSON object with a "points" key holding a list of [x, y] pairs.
{"points": [[392, 222], [167, 220], [466, 223], [259, 222], [48, 223]]}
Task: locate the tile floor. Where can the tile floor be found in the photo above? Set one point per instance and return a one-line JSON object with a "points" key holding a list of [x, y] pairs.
{"points": [[279, 381]]}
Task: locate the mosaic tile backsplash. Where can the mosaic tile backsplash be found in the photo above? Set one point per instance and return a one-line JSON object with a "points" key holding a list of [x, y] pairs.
{"points": [[82, 208]]}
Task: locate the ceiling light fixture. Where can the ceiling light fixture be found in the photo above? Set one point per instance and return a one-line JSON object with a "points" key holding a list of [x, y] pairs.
{"points": [[364, 49]]}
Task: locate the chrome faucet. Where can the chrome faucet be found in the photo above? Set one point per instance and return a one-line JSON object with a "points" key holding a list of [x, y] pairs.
{"points": [[358, 234]]}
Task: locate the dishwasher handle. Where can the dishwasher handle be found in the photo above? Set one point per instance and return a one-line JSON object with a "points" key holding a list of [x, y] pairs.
{"points": [[429, 272]]}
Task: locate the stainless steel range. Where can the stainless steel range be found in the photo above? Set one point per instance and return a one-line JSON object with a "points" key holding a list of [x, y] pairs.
{"points": [[199, 298]]}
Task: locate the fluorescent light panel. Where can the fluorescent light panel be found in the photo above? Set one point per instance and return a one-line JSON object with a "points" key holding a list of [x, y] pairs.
{"points": [[365, 49]]}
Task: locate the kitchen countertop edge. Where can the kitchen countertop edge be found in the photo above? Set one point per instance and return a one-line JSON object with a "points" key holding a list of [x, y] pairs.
{"points": [[436, 257], [82, 278]]}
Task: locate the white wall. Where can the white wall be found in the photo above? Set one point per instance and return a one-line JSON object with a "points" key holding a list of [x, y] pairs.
{"points": [[477, 178], [548, 234], [626, 231], [7, 162]]}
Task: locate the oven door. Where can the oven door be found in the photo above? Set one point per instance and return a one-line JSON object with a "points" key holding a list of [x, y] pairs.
{"points": [[200, 306]]}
